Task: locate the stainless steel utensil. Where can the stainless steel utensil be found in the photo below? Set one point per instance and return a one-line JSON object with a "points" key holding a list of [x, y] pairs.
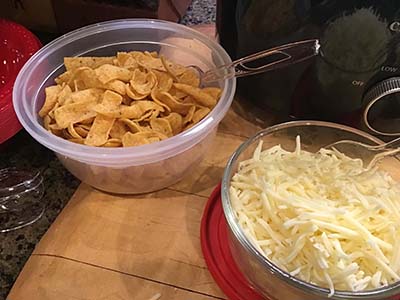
{"points": [[371, 154], [285, 55]]}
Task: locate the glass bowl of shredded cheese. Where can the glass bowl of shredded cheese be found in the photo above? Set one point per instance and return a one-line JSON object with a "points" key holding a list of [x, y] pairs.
{"points": [[306, 222]]}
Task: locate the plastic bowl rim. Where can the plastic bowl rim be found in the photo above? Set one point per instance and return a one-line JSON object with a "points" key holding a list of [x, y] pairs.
{"points": [[118, 156]]}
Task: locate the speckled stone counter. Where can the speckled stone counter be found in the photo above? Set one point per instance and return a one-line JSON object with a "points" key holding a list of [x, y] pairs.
{"points": [[22, 151], [200, 12]]}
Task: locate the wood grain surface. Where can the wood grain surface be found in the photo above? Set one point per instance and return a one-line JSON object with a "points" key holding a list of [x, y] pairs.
{"points": [[105, 246]]}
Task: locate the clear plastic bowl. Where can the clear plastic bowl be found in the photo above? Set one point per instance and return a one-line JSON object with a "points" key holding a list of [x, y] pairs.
{"points": [[135, 169], [266, 277]]}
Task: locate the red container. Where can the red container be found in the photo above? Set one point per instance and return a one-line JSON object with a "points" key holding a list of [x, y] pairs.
{"points": [[216, 252], [17, 45]]}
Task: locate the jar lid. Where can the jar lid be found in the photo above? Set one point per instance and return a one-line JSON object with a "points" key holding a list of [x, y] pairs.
{"points": [[216, 252]]}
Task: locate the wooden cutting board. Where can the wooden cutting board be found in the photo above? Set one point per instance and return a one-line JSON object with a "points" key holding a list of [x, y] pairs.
{"points": [[105, 246]]}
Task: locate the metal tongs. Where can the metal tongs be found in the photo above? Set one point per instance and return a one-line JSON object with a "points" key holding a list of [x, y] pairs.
{"points": [[371, 153], [288, 54]]}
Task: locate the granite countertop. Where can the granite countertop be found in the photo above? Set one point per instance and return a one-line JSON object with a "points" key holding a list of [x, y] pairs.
{"points": [[22, 151]]}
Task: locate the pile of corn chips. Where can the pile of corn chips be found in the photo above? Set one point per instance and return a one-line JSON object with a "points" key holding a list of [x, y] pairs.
{"points": [[131, 99]]}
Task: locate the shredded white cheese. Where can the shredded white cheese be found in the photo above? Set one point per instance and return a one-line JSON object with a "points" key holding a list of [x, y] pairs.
{"points": [[156, 296], [322, 217]]}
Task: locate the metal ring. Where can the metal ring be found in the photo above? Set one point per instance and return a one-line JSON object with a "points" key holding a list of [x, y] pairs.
{"points": [[382, 89]]}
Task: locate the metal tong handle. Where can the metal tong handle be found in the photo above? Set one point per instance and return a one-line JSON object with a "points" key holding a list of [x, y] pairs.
{"points": [[389, 149], [391, 145], [293, 53]]}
